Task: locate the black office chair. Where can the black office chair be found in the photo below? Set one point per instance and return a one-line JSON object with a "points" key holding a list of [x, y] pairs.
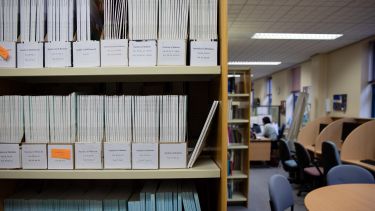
{"points": [[307, 169], [287, 161], [330, 156], [281, 132]]}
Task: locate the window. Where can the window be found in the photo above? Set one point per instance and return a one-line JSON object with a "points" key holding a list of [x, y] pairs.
{"points": [[296, 84], [269, 91], [372, 78], [373, 101]]}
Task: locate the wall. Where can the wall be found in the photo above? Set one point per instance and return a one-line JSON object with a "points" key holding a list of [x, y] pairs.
{"points": [[281, 87], [348, 74], [305, 74], [259, 86], [343, 71]]}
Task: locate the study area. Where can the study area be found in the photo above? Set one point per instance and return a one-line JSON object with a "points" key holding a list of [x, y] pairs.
{"points": [[187, 105]]}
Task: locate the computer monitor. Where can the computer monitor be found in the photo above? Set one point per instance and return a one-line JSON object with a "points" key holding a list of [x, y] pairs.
{"points": [[256, 128], [347, 128], [321, 127]]}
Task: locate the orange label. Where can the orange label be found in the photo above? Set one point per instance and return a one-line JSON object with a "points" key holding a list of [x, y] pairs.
{"points": [[61, 153], [4, 53]]}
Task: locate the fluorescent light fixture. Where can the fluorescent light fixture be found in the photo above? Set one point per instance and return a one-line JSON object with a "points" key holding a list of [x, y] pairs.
{"points": [[253, 63], [233, 76], [295, 36]]}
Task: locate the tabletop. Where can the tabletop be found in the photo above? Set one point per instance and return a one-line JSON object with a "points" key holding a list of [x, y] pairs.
{"points": [[358, 197], [362, 164]]}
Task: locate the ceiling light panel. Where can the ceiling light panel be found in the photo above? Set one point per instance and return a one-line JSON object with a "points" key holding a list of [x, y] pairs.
{"points": [[295, 36]]}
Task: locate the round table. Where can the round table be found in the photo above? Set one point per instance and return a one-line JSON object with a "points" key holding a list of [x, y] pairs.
{"points": [[358, 197]]}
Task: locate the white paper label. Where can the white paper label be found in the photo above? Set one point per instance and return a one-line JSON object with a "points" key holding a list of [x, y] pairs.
{"points": [[86, 54], [88, 155], [11, 61], [203, 53], [57, 54], [142, 53], [10, 156], [30, 55], [145, 156], [60, 156], [117, 155], [173, 155], [34, 156], [114, 52], [171, 52]]}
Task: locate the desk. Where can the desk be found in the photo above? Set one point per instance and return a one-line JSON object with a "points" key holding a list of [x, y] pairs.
{"points": [[260, 149], [348, 197], [359, 163]]}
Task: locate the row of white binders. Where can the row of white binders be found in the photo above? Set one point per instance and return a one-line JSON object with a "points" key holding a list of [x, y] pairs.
{"points": [[108, 155], [93, 119], [152, 196], [68, 20], [108, 53], [157, 32], [94, 156]]}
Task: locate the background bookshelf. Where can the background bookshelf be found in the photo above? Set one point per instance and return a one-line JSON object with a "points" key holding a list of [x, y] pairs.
{"points": [[201, 84], [239, 86]]}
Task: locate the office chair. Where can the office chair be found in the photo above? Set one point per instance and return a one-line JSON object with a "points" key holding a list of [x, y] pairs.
{"points": [[281, 194], [330, 156], [347, 174], [307, 168], [275, 153], [288, 163], [281, 132]]}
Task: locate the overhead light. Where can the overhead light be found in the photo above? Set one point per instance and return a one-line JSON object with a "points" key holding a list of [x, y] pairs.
{"points": [[252, 75], [295, 36], [253, 63], [234, 76]]}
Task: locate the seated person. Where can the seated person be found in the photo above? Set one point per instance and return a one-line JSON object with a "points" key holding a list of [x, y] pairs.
{"points": [[269, 130]]}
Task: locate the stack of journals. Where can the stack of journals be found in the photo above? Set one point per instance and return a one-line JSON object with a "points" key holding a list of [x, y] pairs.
{"points": [[173, 118], [60, 20], [36, 119], [90, 118], [203, 19], [169, 195], [11, 116], [83, 9], [8, 20], [115, 19], [62, 118], [173, 19], [202, 137], [114, 43], [32, 20], [118, 121], [146, 119], [143, 19]]}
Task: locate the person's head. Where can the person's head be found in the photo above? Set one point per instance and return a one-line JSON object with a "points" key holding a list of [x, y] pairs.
{"points": [[266, 120]]}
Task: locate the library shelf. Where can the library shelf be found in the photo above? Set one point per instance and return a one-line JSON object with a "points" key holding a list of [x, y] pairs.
{"points": [[112, 74], [237, 174], [237, 197], [238, 95], [237, 146], [204, 168], [238, 121]]}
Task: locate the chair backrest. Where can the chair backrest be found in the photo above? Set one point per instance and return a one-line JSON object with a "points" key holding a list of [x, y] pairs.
{"points": [[330, 155], [303, 157], [284, 151], [281, 195], [281, 132], [347, 174]]}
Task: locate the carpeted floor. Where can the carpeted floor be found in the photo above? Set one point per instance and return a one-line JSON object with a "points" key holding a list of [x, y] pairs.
{"points": [[258, 196]]}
